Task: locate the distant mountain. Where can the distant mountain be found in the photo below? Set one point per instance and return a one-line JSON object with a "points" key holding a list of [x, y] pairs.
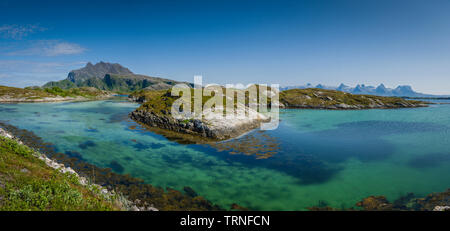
{"points": [[98, 70], [361, 89], [110, 77]]}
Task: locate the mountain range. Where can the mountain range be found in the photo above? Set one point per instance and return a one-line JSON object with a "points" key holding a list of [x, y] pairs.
{"points": [[114, 77], [362, 89], [110, 77]]}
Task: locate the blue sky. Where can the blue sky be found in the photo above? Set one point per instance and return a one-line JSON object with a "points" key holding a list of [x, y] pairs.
{"points": [[285, 42]]}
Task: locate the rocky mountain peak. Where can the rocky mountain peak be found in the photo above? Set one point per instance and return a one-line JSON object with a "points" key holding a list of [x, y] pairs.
{"points": [[381, 89], [99, 70]]}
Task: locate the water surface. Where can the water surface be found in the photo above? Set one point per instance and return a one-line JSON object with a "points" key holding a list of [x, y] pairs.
{"points": [[315, 157]]}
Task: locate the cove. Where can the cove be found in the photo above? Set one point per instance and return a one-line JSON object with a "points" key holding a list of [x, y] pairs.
{"points": [[315, 157]]}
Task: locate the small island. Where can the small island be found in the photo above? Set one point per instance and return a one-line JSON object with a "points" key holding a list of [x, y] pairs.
{"points": [[155, 110], [104, 80], [315, 98], [53, 94]]}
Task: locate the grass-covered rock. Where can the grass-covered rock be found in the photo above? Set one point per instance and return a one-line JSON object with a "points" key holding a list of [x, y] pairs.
{"points": [[315, 98], [13, 94], [156, 107], [156, 111]]}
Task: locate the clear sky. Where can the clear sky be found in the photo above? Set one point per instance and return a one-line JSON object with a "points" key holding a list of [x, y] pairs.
{"points": [[286, 42]]}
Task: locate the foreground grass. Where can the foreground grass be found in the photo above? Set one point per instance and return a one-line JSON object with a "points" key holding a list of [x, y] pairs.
{"points": [[129, 190], [28, 184]]}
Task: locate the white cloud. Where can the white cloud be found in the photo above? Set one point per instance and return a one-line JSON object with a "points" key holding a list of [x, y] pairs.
{"points": [[49, 48], [18, 31]]}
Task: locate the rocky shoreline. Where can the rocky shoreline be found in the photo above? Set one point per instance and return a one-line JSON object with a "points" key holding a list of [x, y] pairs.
{"points": [[38, 95], [344, 106], [215, 129], [133, 192], [155, 110], [103, 191], [439, 201], [8, 99], [336, 100]]}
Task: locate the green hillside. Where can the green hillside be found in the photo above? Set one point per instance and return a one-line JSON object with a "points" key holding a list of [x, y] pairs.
{"points": [[110, 77]]}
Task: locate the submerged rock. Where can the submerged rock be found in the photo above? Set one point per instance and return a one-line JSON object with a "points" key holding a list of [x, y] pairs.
{"points": [[432, 202], [375, 203], [189, 191]]}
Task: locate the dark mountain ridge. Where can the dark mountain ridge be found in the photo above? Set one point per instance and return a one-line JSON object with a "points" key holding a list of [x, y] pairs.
{"points": [[111, 77], [98, 70]]}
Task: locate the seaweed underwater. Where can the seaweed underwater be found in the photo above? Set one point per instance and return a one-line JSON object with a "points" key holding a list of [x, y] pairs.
{"points": [[135, 189]]}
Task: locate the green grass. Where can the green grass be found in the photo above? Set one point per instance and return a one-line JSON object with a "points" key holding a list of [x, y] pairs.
{"points": [[38, 93], [87, 92], [28, 184], [322, 98], [23, 93], [160, 102]]}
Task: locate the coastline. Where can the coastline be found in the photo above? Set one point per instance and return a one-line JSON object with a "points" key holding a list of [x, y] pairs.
{"points": [[435, 201], [133, 192], [155, 110], [55, 94], [216, 129], [343, 107], [109, 195], [53, 99]]}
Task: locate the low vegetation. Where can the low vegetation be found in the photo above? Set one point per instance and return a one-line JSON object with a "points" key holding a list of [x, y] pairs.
{"points": [[42, 94], [14, 92], [86, 92], [27, 183], [332, 99], [133, 189], [161, 101], [157, 101]]}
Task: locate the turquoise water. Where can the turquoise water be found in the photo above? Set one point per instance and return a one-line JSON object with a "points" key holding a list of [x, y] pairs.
{"points": [[315, 156]]}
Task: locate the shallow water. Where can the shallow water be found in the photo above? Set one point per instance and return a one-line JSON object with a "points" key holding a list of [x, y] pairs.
{"points": [[315, 157]]}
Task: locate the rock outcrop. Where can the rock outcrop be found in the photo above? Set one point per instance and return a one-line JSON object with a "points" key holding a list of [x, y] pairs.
{"points": [[17, 95], [208, 127], [315, 98]]}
